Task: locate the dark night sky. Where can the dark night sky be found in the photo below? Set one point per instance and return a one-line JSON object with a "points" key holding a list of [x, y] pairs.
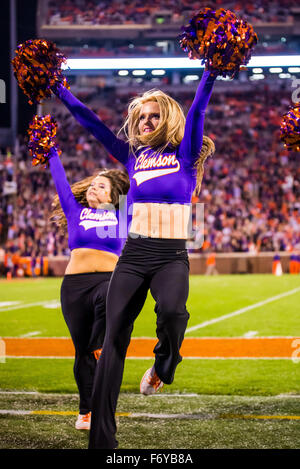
{"points": [[26, 29]]}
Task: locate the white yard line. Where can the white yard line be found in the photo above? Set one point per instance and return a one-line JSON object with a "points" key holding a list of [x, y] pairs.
{"points": [[15, 412], [29, 334], [242, 310], [53, 304], [250, 334], [44, 394], [46, 304], [36, 393], [8, 303], [20, 306]]}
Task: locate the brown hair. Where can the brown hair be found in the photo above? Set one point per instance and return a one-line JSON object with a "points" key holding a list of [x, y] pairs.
{"points": [[207, 149], [119, 182]]}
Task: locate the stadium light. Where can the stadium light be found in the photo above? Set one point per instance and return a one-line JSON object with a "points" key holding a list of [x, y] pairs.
{"points": [[189, 78], [275, 70], [257, 76], [138, 73], [158, 72], [219, 77], [284, 75], [171, 63]]}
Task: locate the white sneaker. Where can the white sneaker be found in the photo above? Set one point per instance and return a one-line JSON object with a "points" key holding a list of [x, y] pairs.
{"points": [[150, 382], [83, 422]]}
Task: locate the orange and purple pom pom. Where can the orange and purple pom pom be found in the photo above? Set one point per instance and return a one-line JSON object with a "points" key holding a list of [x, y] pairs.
{"points": [[221, 40], [290, 128], [37, 68], [42, 132]]}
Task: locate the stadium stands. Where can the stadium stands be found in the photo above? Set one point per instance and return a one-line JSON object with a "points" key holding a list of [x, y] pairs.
{"points": [[103, 12]]}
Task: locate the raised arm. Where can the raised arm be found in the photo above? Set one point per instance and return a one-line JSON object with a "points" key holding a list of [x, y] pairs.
{"points": [[90, 121], [191, 143], [66, 197]]}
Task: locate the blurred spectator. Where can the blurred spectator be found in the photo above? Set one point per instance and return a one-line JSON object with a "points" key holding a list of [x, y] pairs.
{"points": [[109, 12]]}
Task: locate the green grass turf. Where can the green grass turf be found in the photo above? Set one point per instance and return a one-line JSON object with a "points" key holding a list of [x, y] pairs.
{"points": [[208, 423], [231, 377], [221, 386], [210, 297], [247, 377]]}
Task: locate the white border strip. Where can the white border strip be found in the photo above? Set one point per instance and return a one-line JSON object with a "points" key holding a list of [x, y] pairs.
{"points": [[132, 63]]}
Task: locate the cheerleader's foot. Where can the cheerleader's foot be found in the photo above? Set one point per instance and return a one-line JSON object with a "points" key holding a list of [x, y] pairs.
{"points": [[150, 383]]}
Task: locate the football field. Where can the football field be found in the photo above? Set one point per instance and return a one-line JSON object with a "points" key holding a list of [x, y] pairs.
{"points": [[238, 385]]}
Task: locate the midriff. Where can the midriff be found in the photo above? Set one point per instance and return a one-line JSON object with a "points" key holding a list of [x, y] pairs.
{"points": [[163, 220], [90, 260]]}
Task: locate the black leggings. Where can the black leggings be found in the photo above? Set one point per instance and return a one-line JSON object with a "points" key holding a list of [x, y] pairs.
{"points": [[83, 302], [162, 266]]}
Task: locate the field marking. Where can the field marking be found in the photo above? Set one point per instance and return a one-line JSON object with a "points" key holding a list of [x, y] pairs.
{"points": [[29, 334], [26, 393], [9, 303], [156, 415], [53, 412], [192, 348], [242, 310], [261, 417], [158, 395], [250, 334], [14, 412], [51, 304], [196, 348], [150, 358], [130, 394]]}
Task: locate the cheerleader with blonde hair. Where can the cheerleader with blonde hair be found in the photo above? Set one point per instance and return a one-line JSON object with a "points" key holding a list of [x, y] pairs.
{"points": [[164, 154]]}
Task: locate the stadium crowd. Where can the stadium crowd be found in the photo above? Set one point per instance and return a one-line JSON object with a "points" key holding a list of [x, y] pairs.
{"points": [[250, 191], [103, 12]]}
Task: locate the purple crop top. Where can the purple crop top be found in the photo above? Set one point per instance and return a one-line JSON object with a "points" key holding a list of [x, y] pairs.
{"points": [[168, 177], [87, 227]]}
